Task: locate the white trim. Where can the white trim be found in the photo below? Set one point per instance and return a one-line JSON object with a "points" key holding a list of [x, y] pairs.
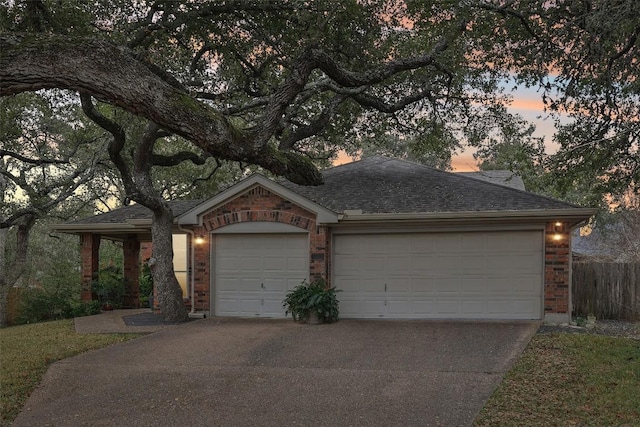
{"points": [[194, 216], [259, 227], [534, 214], [434, 228]]}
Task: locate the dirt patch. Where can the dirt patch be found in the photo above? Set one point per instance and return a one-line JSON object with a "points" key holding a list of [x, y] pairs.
{"points": [[613, 328]]}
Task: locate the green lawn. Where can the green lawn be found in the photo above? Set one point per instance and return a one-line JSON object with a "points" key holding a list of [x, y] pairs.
{"points": [[26, 351], [570, 380]]}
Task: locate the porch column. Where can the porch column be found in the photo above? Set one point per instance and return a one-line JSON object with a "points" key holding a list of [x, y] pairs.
{"points": [[131, 255], [90, 253]]}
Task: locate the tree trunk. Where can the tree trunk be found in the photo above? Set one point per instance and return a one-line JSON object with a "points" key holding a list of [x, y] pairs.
{"points": [[11, 270], [168, 289], [4, 286]]}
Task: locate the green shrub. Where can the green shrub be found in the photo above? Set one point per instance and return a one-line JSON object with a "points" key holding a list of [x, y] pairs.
{"points": [[316, 296], [85, 308], [50, 301], [109, 288], [146, 284]]}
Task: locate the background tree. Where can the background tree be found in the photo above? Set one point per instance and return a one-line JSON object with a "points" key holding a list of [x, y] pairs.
{"points": [[513, 147], [45, 167], [583, 57]]}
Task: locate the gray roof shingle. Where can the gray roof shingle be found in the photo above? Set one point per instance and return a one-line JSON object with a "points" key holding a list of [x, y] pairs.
{"points": [[385, 185], [502, 177], [121, 215], [382, 185]]}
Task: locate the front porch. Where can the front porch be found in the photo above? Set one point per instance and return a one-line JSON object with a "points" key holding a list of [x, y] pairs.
{"points": [[130, 227]]}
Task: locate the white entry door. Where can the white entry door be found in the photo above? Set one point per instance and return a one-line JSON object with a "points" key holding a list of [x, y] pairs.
{"points": [[253, 272], [470, 275]]}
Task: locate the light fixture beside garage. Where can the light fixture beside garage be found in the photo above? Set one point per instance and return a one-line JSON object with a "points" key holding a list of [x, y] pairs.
{"points": [[559, 228], [199, 240]]}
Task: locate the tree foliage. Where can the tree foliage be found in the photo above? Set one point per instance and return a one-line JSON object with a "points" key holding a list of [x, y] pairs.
{"points": [[282, 84]]}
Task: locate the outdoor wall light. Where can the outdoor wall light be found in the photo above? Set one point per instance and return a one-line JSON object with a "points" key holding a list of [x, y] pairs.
{"points": [[557, 237], [558, 226], [199, 240]]}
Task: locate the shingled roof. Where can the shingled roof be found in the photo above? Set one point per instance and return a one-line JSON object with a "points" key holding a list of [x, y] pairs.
{"points": [[380, 185], [385, 185], [135, 212]]}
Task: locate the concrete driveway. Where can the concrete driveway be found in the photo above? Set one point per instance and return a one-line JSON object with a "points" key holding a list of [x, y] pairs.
{"points": [[234, 372]]}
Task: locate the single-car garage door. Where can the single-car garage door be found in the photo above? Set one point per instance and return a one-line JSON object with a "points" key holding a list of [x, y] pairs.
{"points": [[470, 275], [253, 272]]}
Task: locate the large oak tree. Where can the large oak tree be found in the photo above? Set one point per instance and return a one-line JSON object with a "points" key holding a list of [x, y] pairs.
{"points": [[275, 83]]}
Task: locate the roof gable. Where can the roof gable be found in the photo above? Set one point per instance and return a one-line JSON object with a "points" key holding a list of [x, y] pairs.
{"points": [[194, 215]]}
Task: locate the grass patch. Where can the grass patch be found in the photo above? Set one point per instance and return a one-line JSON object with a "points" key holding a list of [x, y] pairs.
{"points": [[26, 351], [569, 380]]}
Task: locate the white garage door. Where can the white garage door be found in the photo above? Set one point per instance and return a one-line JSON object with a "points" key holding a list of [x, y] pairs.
{"points": [[253, 272], [472, 275]]}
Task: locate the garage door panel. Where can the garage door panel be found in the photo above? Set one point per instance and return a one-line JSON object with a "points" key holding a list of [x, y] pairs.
{"points": [[423, 245], [472, 263], [422, 262], [528, 305], [253, 272], [396, 264], [500, 285], [398, 284], [422, 285], [447, 263], [448, 306], [398, 306], [472, 306], [447, 284], [442, 275], [422, 307], [473, 284], [525, 285], [372, 264]]}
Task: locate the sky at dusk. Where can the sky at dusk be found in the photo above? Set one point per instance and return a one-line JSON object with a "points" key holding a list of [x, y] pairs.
{"points": [[527, 103]]}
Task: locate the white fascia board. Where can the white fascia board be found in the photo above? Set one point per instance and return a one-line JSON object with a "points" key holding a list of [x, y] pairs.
{"points": [[193, 216], [570, 214], [96, 227]]}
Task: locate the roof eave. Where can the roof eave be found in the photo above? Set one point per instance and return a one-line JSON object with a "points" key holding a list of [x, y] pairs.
{"points": [[573, 215]]}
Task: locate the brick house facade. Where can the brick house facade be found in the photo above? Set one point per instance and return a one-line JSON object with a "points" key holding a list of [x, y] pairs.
{"points": [[326, 220]]}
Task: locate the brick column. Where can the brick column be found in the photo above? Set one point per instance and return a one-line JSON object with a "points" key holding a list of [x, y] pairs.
{"points": [[131, 255], [145, 251], [90, 255], [557, 273], [202, 273], [320, 253]]}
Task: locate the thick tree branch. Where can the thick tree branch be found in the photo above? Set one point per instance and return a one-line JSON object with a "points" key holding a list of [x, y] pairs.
{"points": [[35, 162], [177, 158], [112, 74]]}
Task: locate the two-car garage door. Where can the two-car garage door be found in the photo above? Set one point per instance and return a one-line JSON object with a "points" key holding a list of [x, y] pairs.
{"points": [[473, 275]]}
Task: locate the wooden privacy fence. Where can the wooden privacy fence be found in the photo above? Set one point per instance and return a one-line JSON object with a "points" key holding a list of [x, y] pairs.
{"points": [[606, 290]]}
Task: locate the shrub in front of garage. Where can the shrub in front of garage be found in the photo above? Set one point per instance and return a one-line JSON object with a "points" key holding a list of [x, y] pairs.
{"points": [[313, 302]]}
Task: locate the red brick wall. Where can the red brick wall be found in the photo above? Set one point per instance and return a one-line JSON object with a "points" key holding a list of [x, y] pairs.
{"points": [[146, 249], [557, 269], [258, 204], [202, 271]]}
